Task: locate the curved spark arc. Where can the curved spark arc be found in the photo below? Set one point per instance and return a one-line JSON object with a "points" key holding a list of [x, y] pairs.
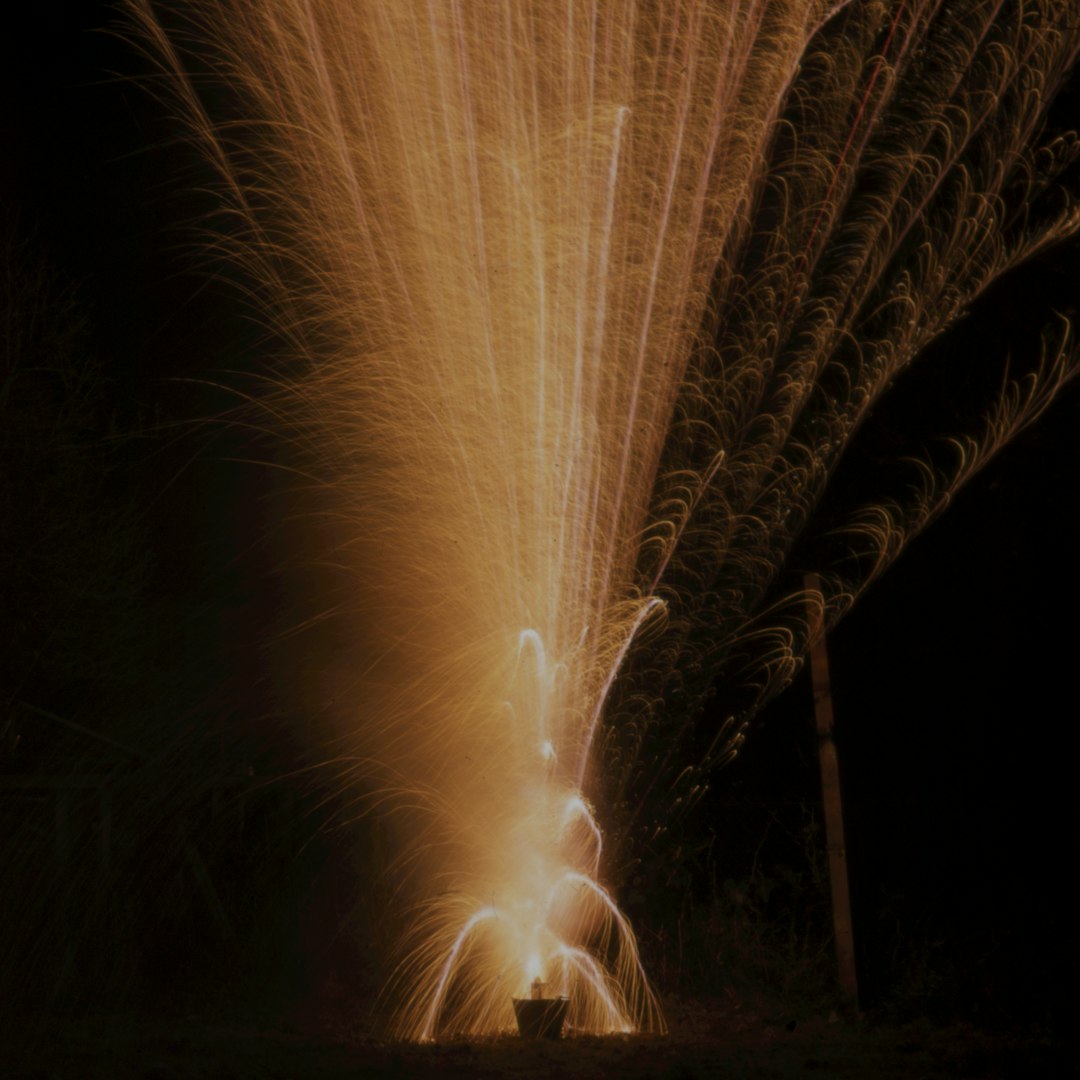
{"points": [[577, 809], [493, 232], [545, 686], [643, 613], [594, 975], [427, 1030]]}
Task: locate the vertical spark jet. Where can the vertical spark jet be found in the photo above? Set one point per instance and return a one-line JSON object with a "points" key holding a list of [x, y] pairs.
{"points": [[488, 230]]}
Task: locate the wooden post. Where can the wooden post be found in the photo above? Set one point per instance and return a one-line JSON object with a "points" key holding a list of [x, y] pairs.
{"points": [[831, 800]]}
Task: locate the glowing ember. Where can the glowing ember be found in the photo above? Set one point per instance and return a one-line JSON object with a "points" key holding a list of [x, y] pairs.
{"points": [[489, 230]]}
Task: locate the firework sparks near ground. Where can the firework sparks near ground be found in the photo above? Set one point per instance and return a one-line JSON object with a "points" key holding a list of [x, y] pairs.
{"points": [[585, 303]]}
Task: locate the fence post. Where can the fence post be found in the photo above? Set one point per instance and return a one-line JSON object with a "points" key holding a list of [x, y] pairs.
{"points": [[831, 798]]}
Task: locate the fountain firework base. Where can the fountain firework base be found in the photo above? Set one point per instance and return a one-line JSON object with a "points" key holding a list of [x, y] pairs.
{"points": [[541, 1018]]}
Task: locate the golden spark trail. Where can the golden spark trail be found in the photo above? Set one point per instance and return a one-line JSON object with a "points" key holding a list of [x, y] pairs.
{"points": [[492, 233]]}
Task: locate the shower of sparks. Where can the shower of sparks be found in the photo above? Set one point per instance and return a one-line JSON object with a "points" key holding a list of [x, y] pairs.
{"points": [[492, 233]]}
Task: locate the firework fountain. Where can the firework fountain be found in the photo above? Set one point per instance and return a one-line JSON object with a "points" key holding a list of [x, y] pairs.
{"points": [[584, 302]]}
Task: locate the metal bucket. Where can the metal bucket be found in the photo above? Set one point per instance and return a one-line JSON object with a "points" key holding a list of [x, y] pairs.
{"points": [[541, 1018]]}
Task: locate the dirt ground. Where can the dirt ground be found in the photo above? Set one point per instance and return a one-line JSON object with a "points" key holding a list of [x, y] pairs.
{"points": [[705, 1040]]}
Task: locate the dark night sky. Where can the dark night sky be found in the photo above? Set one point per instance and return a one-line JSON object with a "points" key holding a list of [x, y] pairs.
{"points": [[953, 678]]}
